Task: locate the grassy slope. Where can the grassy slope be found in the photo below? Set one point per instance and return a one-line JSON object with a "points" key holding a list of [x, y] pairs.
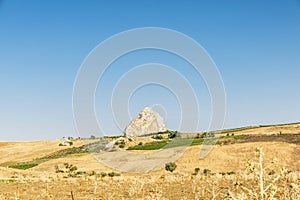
{"points": [[24, 155]]}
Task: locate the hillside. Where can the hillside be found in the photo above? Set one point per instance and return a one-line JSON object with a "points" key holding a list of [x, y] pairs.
{"points": [[230, 154]]}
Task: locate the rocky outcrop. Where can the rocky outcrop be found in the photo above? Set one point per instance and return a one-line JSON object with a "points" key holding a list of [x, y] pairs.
{"points": [[148, 121]]}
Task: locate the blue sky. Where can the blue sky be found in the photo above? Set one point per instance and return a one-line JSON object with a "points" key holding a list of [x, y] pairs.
{"points": [[255, 45]]}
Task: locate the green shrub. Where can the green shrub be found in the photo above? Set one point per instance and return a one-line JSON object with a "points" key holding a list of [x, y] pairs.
{"points": [[103, 174], [122, 142], [196, 170], [92, 173], [157, 137], [230, 173], [71, 170], [112, 174], [80, 173], [225, 173], [172, 135], [206, 171], [171, 166]]}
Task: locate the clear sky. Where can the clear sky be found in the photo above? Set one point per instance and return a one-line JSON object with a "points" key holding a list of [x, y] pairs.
{"points": [[255, 44]]}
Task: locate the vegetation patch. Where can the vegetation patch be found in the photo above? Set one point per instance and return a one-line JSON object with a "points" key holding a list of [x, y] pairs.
{"points": [[206, 138], [207, 172], [178, 142], [64, 153], [23, 166], [236, 137], [196, 171], [112, 174], [149, 146], [157, 137], [171, 166], [7, 180], [59, 154], [71, 170]]}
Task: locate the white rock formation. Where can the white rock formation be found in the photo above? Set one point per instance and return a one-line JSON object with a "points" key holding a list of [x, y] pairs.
{"points": [[148, 121]]}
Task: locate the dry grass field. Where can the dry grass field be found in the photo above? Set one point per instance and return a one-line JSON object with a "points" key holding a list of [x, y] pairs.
{"points": [[264, 164]]}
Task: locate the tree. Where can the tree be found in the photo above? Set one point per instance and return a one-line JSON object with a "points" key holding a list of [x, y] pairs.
{"points": [[171, 166], [172, 135]]}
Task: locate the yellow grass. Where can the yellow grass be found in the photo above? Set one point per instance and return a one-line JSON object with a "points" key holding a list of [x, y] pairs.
{"points": [[250, 181]]}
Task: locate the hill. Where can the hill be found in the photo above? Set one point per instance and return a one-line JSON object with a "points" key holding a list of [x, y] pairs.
{"points": [[51, 178]]}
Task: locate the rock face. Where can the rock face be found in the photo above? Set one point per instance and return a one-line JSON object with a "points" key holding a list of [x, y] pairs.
{"points": [[148, 121]]}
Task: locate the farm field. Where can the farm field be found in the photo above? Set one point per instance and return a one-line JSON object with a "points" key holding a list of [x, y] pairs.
{"points": [[237, 168]]}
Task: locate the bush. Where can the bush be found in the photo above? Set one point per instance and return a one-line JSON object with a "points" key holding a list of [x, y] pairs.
{"points": [[120, 143], [112, 174], [206, 171], [92, 173], [71, 169], [157, 137], [196, 170], [172, 135], [103, 174], [80, 173], [171, 166], [58, 170], [230, 173]]}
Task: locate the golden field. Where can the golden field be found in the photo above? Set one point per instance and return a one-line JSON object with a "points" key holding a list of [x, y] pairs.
{"points": [[232, 170]]}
